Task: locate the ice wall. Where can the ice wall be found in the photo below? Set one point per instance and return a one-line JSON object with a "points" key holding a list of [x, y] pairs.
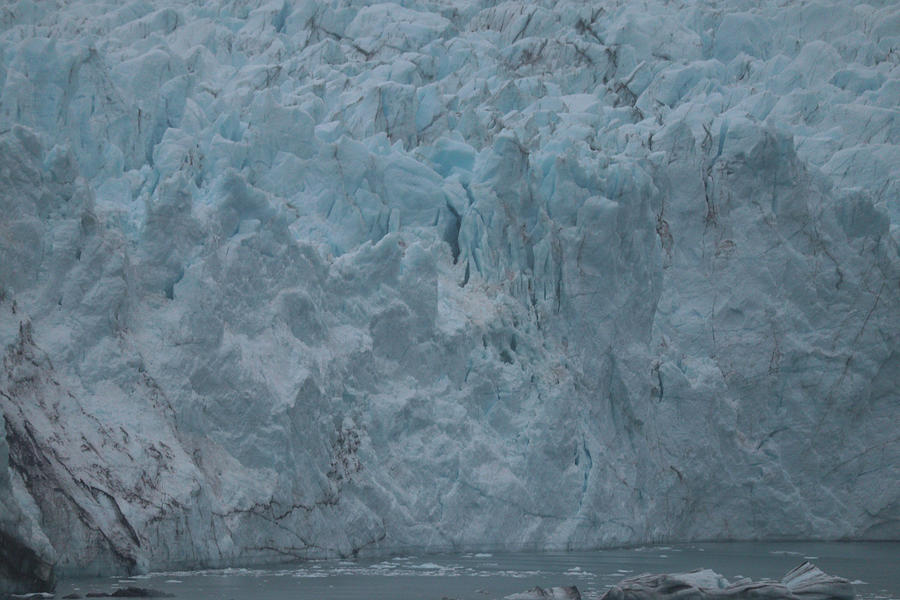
{"points": [[294, 279]]}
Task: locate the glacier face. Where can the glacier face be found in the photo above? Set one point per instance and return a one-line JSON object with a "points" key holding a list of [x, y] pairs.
{"points": [[295, 279]]}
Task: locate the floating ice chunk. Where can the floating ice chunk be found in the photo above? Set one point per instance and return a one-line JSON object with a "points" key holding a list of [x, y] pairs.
{"points": [[805, 581], [554, 593]]}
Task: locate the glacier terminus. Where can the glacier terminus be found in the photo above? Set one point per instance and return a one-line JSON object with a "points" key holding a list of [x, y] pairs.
{"points": [[315, 278]]}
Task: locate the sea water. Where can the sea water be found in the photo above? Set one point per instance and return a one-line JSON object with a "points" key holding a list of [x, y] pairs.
{"points": [[873, 567]]}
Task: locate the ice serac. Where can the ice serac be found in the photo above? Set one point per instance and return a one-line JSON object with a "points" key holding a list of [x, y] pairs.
{"points": [[289, 279]]}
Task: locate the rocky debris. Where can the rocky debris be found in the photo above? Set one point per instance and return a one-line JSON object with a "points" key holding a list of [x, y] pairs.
{"points": [[805, 582]]}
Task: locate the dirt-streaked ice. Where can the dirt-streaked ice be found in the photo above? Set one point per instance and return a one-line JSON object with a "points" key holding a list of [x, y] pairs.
{"points": [[289, 279]]}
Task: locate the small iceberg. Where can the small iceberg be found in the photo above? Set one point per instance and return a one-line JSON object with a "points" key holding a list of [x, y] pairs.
{"points": [[805, 582], [568, 592]]}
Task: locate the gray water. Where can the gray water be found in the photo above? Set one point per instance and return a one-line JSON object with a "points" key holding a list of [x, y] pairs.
{"points": [[874, 568]]}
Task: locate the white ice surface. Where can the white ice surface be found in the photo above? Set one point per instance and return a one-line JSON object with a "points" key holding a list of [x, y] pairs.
{"points": [[287, 279]]}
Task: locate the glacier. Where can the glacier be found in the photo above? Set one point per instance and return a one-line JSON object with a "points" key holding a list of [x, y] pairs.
{"points": [[288, 279]]}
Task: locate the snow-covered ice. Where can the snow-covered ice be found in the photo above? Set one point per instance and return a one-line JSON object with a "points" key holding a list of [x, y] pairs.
{"points": [[294, 278]]}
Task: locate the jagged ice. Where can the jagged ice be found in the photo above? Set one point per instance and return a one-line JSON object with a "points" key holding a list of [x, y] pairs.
{"points": [[290, 279]]}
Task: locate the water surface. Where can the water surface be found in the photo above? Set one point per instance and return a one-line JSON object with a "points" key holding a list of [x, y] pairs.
{"points": [[873, 567]]}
